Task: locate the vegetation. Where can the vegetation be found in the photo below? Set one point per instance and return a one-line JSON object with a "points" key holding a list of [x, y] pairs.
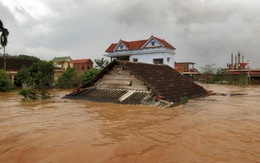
{"points": [[88, 75], [242, 79], [184, 100], [3, 39], [5, 83], [69, 79], [208, 69], [101, 63], [39, 79]]}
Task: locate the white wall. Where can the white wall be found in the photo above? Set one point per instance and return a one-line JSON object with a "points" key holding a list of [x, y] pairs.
{"points": [[148, 58]]}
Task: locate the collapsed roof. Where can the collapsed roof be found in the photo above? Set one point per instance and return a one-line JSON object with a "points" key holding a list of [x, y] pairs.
{"points": [[138, 83]]}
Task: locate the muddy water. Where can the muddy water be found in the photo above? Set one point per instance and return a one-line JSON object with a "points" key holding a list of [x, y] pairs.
{"points": [[221, 128]]}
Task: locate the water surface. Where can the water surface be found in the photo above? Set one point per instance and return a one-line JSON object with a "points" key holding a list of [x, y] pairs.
{"points": [[221, 128]]}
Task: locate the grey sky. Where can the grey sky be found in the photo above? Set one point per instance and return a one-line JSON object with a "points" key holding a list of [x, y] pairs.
{"points": [[203, 31]]}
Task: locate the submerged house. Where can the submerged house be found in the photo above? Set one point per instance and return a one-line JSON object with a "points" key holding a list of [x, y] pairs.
{"points": [[153, 50], [62, 62], [82, 65], [138, 83]]}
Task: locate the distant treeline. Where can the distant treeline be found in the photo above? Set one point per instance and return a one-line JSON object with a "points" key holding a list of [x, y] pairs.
{"points": [[16, 62]]}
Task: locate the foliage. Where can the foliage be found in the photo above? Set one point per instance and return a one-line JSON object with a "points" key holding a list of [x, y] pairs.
{"points": [[184, 100], [4, 34], [3, 39], [28, 94], [88, 75], [69, 79], [101, 63], [5, 83], [242, 79], [222, 71], [39, 79], [208, 69]]}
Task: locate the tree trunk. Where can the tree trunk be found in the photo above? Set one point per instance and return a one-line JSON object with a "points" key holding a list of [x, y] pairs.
{"points": [[4, 59]]}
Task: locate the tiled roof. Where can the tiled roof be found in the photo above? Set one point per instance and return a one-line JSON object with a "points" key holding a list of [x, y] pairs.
{"points": [[164, 82], [134, 45], [56, 59], [16, 64], [81, 61]]}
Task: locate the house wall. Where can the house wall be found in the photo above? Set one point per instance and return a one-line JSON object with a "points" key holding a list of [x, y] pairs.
{"points": [[148, 58], [83, 66], [118, 78], [181, 67]]}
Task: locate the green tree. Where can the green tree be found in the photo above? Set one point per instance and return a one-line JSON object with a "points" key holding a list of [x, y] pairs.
{"points": [[101, 63], [69, 79], [208, 69], [3, 39], [5, 83], [39, 79], [88, 75]]}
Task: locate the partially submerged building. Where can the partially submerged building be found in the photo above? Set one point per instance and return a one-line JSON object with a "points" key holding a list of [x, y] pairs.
{"points": [[239, 67], [62, 62], [138, 83], [186, 68], [82, 65]]}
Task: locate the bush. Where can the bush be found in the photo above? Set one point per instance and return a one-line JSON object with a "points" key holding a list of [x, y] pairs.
{"points": [[5, 83], [39, 79], [69, 79], [88, 75], [28, 94]]}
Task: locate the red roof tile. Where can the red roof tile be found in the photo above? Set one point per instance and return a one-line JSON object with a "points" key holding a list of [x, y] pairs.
{"points": [[135, 45]]}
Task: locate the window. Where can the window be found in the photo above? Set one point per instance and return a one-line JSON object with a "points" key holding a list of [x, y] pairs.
{"points": [[83, 67], [121, 46], [168, 59], [158, 61], [153, 43], [135, 59]]}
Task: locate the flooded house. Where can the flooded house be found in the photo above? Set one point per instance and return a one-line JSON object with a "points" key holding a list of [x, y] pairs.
{"points": [[240, 67], [152, 50], [186, 68], [15, 63], [138, 83], [82, 65], [61, 64]]}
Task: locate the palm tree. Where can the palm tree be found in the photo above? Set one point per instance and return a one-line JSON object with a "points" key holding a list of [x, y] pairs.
{"points": [[3, 39], [101, 63]]}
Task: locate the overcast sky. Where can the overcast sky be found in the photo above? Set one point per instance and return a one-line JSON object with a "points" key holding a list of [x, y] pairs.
{"points": [[202, 31]]}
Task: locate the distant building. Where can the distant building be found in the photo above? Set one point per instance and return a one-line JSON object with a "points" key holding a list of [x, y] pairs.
{"points": [[15, 63], [153, 50], [62, 62], [185, 68], [82, 64]]}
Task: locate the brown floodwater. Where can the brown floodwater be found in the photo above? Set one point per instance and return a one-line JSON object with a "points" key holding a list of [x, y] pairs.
{"points": [[224, 127]]}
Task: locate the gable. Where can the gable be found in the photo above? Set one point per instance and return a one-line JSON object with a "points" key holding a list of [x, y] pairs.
{"points": [[152, 43], [120, 78], [121, 47]]}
